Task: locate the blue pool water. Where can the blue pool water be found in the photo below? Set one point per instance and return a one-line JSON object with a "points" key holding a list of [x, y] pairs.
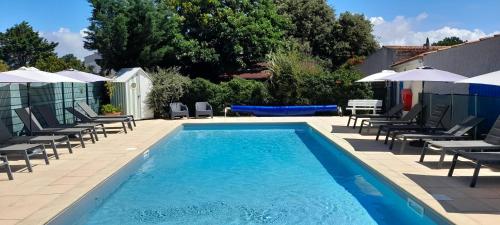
{"points": [[252, 174]]}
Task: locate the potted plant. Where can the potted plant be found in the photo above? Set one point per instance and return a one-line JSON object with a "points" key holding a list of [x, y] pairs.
{"points": [[109, 109]]}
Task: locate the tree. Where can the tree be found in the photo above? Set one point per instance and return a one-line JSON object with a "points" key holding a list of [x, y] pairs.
{"points": [[449, 41], [353, 37], [227, 35], [21, 46], [315, 25], [313, 22], [132, 33], [55, 64], [168, 86], [201, 36]]}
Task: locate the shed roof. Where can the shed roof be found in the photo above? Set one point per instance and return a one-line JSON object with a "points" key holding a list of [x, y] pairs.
{"points": [[125, 74]]}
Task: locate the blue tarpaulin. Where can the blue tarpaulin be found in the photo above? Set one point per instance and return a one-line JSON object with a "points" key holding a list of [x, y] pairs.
{"points": [[283, 110]]}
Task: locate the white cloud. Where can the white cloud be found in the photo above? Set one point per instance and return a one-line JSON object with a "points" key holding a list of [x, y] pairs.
{"points": [[422, 16], [401, 31], [69, 42]]}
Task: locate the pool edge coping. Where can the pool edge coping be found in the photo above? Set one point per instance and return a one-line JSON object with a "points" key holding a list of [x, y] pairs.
{"points": [[341, 143]]}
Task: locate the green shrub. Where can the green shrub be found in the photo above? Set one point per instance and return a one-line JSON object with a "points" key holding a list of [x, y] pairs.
{"points": [[244, 92], [202, 90], [168, 86], [289, 71], [234, 92], [109, 108]]}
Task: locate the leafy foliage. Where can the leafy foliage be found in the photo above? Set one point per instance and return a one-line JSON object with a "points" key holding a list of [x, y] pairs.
{"points": [[315, 26], [449, 41], [21, 46], [54, 64], [301, 80], [353, 38], [132, 33], [289, 70], [3, 66], [109, 108], [202, 36], [168, 86], [312, 24]]}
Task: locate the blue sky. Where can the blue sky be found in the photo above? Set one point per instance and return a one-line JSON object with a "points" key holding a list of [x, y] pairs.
{"points": [[395, 21]]}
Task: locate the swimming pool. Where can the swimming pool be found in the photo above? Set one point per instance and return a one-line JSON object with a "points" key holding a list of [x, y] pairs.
{"points": [[248, 174]]}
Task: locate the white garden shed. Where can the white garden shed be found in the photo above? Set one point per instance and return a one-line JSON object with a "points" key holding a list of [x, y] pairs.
{"points": [[131, 87]]}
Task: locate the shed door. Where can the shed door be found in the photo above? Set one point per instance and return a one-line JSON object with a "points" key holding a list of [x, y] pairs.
{"points": [[134, 95]]}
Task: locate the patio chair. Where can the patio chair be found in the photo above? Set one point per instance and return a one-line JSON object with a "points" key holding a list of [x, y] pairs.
{"points": [[491, 142], [457, 132], [4, 162], [50, 117], [82, 117], [203, 109], [36, 128], [8, 138], [479, 158], [25, 150], [408, 118], [178, 109], [92, 114], [392, 113], [433, 123]]}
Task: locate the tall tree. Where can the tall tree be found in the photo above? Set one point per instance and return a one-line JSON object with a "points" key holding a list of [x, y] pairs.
{"points": [[449, 41], [227, 35], [131, 33], [313, 22], [20, 46], [55, 64], [353, 37]]}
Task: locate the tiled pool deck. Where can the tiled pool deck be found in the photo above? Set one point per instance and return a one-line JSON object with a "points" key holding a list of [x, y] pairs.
{"points": [[34, 198]]}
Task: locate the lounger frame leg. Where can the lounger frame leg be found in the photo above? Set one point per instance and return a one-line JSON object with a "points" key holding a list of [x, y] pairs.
{"points": [[91, 136], [104, 131], [441, 159], [94, 132], [361, 126], [378, 132], [7, 168], [453, 164], [80, 136], [424, 151], [28, 163], [355, 122], [68, 144], [45, 156], [124, 127], [476, 174], [54, 148], [133, 120], [348, 120]]}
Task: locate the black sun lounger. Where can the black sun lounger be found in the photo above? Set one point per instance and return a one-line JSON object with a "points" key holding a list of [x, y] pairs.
{"points": [[93, 115], [37, 129], [433, 123], [408, 118], [50, 117], [27, 151], [8, 138], [491, 142], [392, 113], [480, 158], [82, 117], [457, 132]]}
